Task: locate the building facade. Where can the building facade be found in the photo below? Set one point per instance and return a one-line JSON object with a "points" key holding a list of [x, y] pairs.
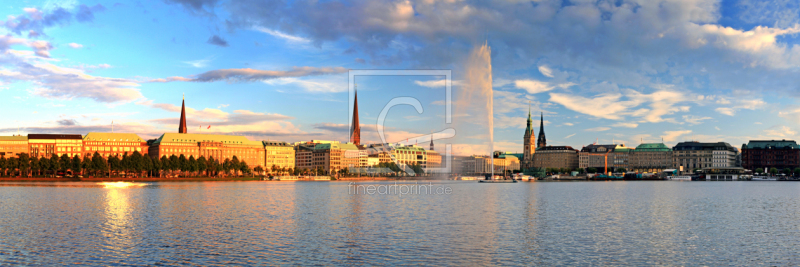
{"points": [[688, 156], [221, 147], [561, 157], [44, 145], [114, 144], [605, 157], [12, 146], [278, 154], [766, 154], [652, 157]]}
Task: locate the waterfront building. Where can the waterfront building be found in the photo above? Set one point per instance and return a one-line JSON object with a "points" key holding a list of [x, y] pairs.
{"points": [[12, 146], [304, 156], [220, 147], [330, 156], [504, 162], [768, 154], [373, 161], [605, 157], [110, 144], [411, 155], [650, 157], [279, 154], [528, 144], [434, 159], [561, 157], [44, 145], [463, 165], [691, 155]]}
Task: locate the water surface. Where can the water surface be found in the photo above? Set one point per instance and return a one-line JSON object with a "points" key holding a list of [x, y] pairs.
{"points": [[269, 223]]}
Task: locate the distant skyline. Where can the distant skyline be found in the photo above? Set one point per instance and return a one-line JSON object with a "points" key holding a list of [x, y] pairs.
{"points": [[628, 71]]}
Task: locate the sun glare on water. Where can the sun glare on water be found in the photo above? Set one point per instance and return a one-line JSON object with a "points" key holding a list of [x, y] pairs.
{"points": [[121, 184]]}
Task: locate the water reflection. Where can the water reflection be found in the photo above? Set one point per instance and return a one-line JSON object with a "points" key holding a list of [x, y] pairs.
{"points": [[307, 223]]}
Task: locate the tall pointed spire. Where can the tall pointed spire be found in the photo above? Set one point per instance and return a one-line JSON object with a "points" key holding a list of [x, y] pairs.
{"points": [[431, 141], [542, 141], [355, 129], [182, 126], [529, 130]]}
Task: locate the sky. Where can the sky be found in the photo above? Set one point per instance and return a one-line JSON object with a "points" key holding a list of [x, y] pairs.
{"points": [[599, 71]]}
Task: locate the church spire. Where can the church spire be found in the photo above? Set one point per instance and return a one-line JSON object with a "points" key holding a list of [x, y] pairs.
{"points": [[529, 129], [431, 141], [182, 126], [542, 141], [355, 129]]}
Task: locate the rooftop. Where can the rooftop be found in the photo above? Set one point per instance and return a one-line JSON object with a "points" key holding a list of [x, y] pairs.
{"points": [[54, 136], [772, 144], [94, 136], [195, 138], [13, 138], [652, 147]]}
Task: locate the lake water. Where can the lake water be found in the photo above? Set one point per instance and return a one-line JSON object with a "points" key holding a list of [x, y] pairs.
{"points": [[290, 223]]}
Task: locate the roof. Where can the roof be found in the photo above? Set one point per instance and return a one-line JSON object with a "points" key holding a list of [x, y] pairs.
{"points": [[13, 138], [554, 148], [694, 145], [54, 136], [610, 148], [652, 147], [336, 146], [275, 143], [194, 138], [772, 144], [92, 136]]}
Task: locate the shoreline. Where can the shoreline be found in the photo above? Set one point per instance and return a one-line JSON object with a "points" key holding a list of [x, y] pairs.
{"points": [[199, 179]]}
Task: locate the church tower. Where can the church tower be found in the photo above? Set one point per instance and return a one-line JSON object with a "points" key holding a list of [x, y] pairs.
{"points": [[355, 129], [182, 126], [542, 142], [431, 141], [527, 158]]}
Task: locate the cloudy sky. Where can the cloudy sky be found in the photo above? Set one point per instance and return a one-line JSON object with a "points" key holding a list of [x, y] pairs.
{"points": [[624, 71]]}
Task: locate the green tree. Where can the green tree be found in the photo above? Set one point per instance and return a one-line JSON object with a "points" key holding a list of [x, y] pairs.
{"points": [[213, 166], [174, 164], [226, 166], [787, 171], [137, 163], [55, 164], [622, 170], [183, 165], [13, 164], [24, 164], [65, 163], [149, 166], [759, 170], [44, 165], [591, 170], [76, 165], [796, 171], [166, 164], [86, 165], [581, 170], [773, 170], [274, 168], [244, 168], [201, 165], [3, 166], [114, 164], [99, 164], [35, 167], [192, 165], [235, 165], [258, 169]]}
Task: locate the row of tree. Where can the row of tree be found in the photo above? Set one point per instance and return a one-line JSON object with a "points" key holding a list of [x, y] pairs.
{"points": [[134, 165]]}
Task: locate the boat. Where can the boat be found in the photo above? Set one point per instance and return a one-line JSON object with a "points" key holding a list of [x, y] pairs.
{"points": [[764, 178], [679, 178]]}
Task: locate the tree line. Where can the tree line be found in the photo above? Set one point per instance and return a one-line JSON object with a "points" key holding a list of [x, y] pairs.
{"points": [[135, 165]]}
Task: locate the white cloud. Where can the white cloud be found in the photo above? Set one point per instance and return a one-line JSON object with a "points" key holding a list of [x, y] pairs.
{"points": [[671, 136], [780, 132], [598, 129], [535, 87], [694, 120], [626, 124], [437, 83], [568, 136], [75, 45], [311, 85], [715, 127], [544, 70], [200, 63], [725, 111], [287, 37]]}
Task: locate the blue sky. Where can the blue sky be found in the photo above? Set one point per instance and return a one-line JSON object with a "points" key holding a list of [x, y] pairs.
{"points": [[623, 71]]}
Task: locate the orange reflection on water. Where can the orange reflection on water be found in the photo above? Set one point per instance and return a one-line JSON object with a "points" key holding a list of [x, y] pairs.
{"points": [[120, 184]]}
